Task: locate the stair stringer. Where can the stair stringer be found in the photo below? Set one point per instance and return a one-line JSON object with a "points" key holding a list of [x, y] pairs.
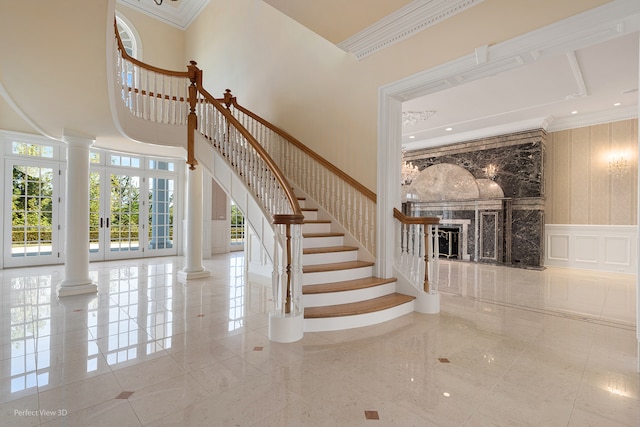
{"points": [[226, 177]]}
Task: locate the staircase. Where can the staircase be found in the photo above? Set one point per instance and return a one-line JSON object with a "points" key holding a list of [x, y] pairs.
{"points": [[339, 290]]}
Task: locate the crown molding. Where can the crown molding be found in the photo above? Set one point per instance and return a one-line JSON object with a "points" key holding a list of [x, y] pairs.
{"points": [[594, 119], [514, 127], [180, 16], [404, 23], [549, 124], [595, 26]]}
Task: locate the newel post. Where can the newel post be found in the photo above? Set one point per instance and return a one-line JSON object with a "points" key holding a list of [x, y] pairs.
{"points": [[195, 75], [286, 322]]}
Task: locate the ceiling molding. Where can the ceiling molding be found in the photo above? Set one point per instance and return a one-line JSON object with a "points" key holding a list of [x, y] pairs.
{"points": [[180, 16], [577, 75], [599, 118], [549, 124], [402, 24], [589, 28], [514, 127]]}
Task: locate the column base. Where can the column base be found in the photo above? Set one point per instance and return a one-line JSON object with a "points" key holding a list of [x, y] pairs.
{"points": [[286, 329], [70, 290], [427, 303], [183, 275]]}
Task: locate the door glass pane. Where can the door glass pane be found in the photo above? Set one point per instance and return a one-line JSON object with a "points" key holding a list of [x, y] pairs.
{"points": [[125, 208], [94, 212], [161, 213], [31, 211], [237, 225]]}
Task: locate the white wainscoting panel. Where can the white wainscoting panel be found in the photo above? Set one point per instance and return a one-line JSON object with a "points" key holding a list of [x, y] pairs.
{"points": [[220, 236], [611, 248]]}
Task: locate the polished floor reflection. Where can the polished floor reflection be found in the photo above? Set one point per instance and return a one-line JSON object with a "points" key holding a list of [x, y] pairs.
{"points": [[510, 347]]}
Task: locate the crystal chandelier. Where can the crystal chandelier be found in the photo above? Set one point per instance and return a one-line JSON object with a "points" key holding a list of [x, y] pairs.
{"points": [[159, 2], [409, 171]]}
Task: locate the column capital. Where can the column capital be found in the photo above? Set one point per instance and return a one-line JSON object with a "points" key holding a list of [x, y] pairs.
{"points": [[71, 137]]}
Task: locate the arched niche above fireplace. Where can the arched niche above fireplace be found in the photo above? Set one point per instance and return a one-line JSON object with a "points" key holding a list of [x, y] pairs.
{"points": [[448, 182]]}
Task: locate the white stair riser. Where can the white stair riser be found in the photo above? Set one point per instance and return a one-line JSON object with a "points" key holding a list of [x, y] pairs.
{"points": [[323, 227], [336, 275], [329, 257], [345, 297], [311, 215], [357, 321], [322, 242]]}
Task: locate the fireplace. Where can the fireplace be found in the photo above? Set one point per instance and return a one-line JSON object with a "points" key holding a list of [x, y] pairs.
{"points": [[488, 194], [449, 242]]}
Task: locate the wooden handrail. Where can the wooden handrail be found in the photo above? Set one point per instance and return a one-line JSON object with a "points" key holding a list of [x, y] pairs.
{"points": [[231, 100], [286, 187], [424, 220], [141, 64], [194, 74]]}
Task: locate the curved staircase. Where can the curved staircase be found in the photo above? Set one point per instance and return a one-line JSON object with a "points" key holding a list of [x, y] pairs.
{"points": [[339, 290]]}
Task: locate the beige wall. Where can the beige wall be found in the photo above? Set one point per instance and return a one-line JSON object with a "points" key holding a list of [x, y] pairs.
{"points": [[162, 45], [324, 96], [579, 187]]}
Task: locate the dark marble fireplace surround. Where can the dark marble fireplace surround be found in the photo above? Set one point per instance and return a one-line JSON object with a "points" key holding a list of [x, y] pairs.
{"points": [[503, 225]]}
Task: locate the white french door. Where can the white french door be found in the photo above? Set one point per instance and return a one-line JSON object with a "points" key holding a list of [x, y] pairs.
{"points": [[31, 212], [131, 214], [131, 204], [160, 215]]}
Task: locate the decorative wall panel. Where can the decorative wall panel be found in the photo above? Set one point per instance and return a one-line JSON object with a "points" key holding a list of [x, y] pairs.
{"points": [[611, 248]]}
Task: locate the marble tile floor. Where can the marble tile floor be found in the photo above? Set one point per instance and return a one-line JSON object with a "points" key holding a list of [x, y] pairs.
{"points": [[511, 347]]}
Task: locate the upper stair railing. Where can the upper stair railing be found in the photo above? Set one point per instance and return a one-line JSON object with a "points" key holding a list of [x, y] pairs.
{"points": [[345, 199], [149, 92], [178, 98]]}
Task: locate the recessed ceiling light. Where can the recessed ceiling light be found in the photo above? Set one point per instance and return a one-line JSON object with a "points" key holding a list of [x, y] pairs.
{"points": [[574, 112], [617, 104], [412, 137], [448, 129]]}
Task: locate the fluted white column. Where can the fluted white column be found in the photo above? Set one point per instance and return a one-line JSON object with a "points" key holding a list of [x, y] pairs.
{"points": [[76, 225], [193, 268]]}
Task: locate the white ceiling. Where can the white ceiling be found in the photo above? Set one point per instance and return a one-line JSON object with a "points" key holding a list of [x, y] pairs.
{"points": [[179, 13], [589, 81]]}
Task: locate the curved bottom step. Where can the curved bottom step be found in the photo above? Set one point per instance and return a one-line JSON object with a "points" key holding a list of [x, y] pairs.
{"points": [[357, 314]]}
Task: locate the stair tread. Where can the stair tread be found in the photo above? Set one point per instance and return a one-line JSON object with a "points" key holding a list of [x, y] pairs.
{"points": [[317, 221], [330, 234], [328, 249], [336, 266], [355, 308], [310, 209], [346, 285]]}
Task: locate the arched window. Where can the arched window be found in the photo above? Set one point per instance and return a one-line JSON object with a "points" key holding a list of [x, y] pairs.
{"points": [[129, 36]]}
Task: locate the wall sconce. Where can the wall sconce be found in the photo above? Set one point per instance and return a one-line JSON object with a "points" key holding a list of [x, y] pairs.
{"points": [[618, 165], [491, 171]]}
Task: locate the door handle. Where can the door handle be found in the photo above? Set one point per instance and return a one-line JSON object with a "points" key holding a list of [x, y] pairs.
{"points": [[101, 222], [107, 222]]}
